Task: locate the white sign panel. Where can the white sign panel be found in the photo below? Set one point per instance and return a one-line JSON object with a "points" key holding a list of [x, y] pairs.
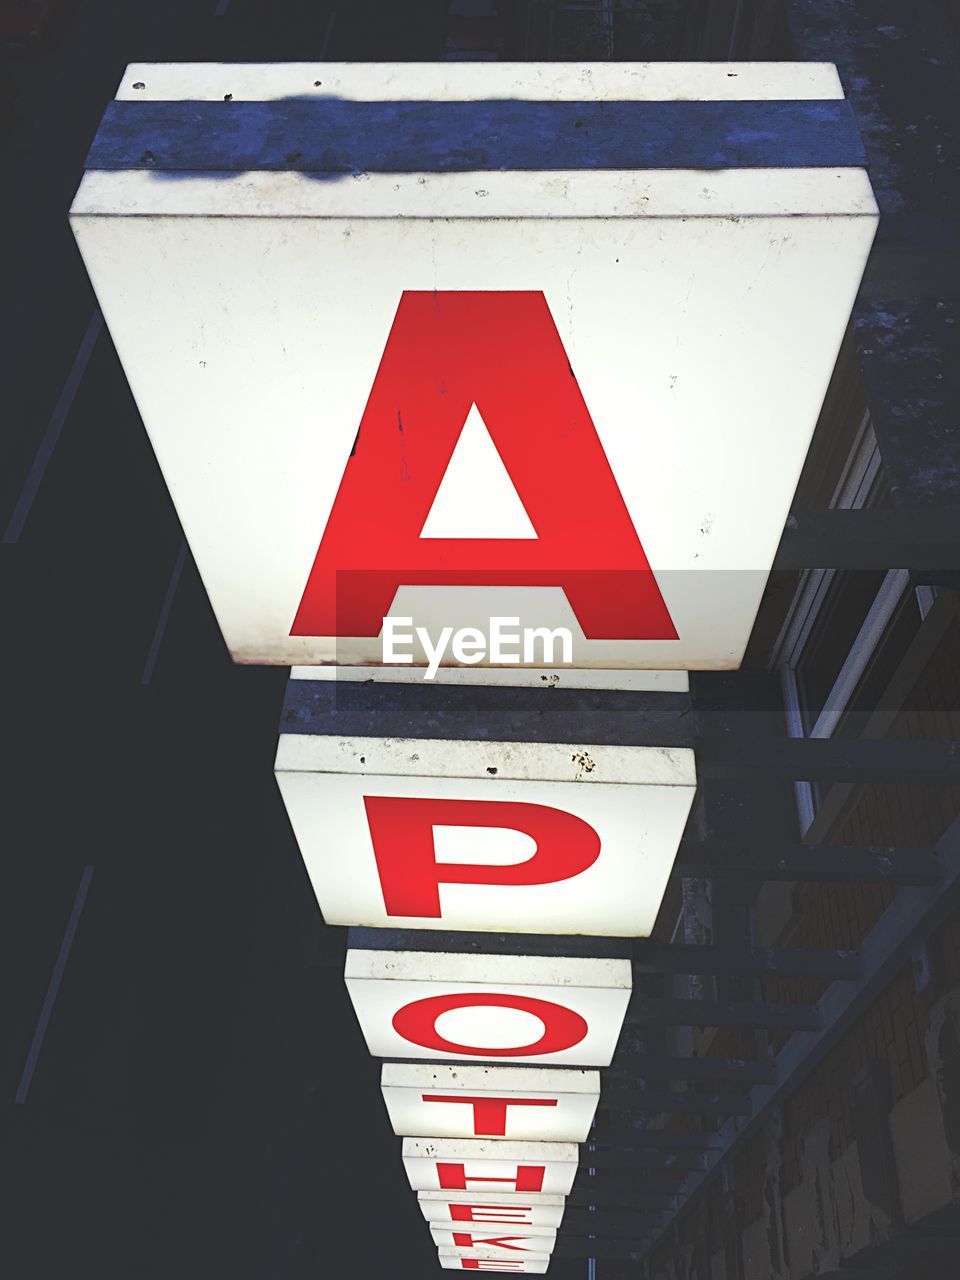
{"points": [[548, 1010], [417, 833], [470, 1164], [522, 1103], [487, 1242], [565, 385], [491, 1208], [534, 1264]]}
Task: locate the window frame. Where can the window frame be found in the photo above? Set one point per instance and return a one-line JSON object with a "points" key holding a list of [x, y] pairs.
{"points": [[856, 490]]}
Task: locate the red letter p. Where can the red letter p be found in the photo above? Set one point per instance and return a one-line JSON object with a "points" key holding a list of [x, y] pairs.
{"points": [[401, 828]]}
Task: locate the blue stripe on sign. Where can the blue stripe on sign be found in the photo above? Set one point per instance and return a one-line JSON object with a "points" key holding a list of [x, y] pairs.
{"points": [[361, 709], [329, 136]]}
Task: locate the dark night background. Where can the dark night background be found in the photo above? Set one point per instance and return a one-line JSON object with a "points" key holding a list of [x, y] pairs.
{"points": [[203, 1103]]}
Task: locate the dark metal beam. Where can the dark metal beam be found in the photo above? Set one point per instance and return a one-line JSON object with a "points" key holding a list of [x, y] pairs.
{"points": [[664, 957], [899, 760], [932, 1245], [623, 1236], [645, 1174], [587, 1247], [828, 864], [857, 1273], [911, 918], [678, 1012], [664, 1139], [888, 538], [610, 1198], [725, 1070], [657, 1101], [656, 1161], [582, 1222]]}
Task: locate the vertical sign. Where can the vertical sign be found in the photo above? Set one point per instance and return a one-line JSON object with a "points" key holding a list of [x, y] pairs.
{"points": [[551, 838], [547, 1010], [468, 1164], [535, 393], [467, 391], [526, 1103]]}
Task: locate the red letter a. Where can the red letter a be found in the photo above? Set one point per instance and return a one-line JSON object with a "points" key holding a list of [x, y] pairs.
{"points": [[502, 352]]}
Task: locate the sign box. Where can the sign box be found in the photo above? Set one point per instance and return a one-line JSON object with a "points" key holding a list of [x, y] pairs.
{"points": [[471, 1164], [522, 1103], [492, 1208], [493, 1242], [450, 343], [425, 833], [531, 1264], [550, 1010]]}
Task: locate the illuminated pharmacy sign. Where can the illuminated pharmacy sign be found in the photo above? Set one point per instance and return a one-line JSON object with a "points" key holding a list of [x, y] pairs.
{"points": [[529, 1103], [471, 372], [453, 345], [557, 1011], [428, 834]]}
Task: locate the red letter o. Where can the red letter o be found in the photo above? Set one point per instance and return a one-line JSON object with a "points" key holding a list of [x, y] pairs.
{"points": [[416, 1022]]}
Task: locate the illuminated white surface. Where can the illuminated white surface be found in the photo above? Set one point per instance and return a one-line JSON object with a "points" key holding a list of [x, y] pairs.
{"points": [[482, 1240], [613, 81], [635, 801], [458, 1262], [589, 994], [573, 194], [566, 1101], [492, 1208], [497, 1165], [519, 677], [696, 309], [467, 758], [476, 498]]}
